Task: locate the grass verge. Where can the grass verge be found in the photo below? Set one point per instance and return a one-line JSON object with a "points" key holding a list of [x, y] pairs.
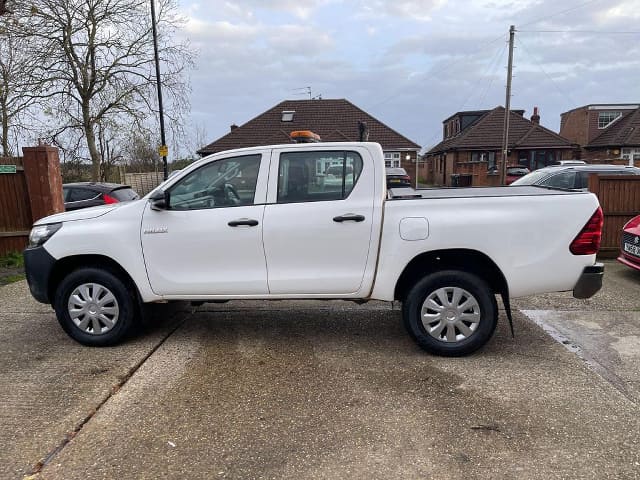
{"points": [[11, 268]]}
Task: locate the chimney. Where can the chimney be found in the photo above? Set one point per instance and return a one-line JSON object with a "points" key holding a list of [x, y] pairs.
{"points": [[233, 126], [535, 118]]}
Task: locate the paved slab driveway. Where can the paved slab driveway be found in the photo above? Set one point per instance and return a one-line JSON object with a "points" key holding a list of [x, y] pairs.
{"points": [[301, 390]]}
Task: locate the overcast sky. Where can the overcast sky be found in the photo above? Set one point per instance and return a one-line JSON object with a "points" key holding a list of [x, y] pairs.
{"points": [[408, 63]]}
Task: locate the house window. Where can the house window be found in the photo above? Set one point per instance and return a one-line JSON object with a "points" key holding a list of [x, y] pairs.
{"points": [[491, 161], [489, 157], [287, 115], [392, 160], [631, 154], [607, 118]]}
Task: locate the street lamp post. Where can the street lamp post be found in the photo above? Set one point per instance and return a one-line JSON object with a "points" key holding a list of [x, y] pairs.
{"points": [[163, 147]]}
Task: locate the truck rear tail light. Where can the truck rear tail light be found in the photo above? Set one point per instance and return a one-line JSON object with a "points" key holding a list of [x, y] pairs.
{"points": [[588, 240], [108, 199]]}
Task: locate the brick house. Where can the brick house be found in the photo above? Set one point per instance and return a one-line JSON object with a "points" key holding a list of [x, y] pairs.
{"points": [[606, 133], [335, 120], [470, 150]]}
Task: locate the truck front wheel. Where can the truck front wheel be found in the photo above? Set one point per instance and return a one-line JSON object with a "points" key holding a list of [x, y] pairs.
{"points": [[95, 307], [450, 313]]}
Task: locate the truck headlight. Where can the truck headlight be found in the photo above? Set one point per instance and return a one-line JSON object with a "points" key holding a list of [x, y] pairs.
{"points": [[42, 233]]}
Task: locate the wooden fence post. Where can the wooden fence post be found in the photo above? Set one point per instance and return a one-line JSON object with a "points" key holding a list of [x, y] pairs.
{"points": [[44, 182]]}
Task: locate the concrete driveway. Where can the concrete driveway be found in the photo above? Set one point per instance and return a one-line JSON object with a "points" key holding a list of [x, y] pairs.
{"points": [[319, 390]]}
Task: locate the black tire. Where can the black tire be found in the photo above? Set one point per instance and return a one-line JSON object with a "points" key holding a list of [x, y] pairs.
{"points": [[111, 306], [463, 331]]}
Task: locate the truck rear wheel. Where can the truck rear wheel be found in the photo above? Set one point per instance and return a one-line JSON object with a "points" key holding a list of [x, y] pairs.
{"points": [[450, 313], [95, 307]]}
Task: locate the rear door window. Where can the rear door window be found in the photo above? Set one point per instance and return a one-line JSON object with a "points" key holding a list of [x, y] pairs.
{"points": [[317, 176]]}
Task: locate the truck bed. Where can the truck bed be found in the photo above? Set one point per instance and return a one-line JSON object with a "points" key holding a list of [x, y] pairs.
{"points": [[469, 192]]}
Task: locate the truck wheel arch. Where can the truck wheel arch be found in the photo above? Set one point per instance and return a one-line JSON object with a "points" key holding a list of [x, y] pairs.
{"points": [[471, 261], [66, 265]]}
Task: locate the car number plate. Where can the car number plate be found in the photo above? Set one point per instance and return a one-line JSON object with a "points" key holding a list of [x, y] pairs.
{"points": [[394, 180], [632, 249]]}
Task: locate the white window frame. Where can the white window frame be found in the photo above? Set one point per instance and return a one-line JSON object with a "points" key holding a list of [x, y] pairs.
{"points": [[392, 160], [630, 153], [613, 116], [287, 115]]}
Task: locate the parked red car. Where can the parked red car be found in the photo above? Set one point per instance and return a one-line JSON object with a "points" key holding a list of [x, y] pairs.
{"points": [[630, 244], [514, 173]]}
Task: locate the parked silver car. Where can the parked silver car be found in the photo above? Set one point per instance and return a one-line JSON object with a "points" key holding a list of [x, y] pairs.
{"points": [[572, 176]]}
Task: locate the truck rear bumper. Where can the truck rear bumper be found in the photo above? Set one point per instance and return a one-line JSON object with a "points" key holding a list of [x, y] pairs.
{"points": [[590, 282]]}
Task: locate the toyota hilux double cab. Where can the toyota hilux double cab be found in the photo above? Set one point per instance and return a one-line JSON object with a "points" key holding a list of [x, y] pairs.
{"points": [[264, 223]]}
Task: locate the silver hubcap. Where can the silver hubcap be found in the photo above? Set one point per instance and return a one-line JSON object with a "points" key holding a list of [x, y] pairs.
{"points": [[93, 308], [450, 314]]}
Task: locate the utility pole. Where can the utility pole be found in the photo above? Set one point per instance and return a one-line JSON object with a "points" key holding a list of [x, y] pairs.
{"points": [[163, 150], [507, 109]]}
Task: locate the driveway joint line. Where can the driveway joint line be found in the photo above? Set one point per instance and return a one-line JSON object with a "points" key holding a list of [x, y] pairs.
{"points": [[37, 468], [592, 363]]}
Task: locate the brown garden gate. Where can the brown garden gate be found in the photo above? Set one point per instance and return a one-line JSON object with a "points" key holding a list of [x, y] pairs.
{"points": [[15, 208], [619, 197], [30, 188]]}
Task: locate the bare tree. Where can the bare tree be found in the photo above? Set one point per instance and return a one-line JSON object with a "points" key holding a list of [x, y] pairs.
{"points": [[20, 83], [199, 138], [98, 58], [140, 153]]}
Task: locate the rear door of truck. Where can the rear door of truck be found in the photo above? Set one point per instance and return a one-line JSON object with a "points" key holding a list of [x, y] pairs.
{"points": [[319, 220]]}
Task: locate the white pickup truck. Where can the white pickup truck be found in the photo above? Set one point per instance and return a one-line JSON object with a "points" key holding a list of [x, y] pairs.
{"points": [[271, 223]]}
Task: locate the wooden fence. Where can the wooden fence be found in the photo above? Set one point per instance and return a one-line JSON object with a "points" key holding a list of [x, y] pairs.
{"points": [[142, 183], [619, 197], [15, 208]]}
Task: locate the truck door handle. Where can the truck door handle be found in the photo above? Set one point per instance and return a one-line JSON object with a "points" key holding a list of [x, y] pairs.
{"points": [[349, 217], [243, 222]]}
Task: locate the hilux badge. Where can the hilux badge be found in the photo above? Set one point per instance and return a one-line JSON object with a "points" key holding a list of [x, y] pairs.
{"points": [[155, 230]]}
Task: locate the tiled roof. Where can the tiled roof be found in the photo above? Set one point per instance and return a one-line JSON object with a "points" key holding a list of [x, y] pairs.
{"points": [[623, 133], [486, 133], [335, 120]]}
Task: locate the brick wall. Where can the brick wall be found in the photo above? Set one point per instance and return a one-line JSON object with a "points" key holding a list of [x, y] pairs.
{"points": [[581, 125], [574, 125], [606, 156]]}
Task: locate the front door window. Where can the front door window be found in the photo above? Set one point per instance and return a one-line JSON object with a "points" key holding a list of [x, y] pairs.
{"points": [[224, 183]]}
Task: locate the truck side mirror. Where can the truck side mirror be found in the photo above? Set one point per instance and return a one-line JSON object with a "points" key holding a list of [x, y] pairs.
{"points": [[159, 200]]}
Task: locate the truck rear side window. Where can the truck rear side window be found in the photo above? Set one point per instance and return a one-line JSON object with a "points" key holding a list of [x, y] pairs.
{"points": [[317, 176]]}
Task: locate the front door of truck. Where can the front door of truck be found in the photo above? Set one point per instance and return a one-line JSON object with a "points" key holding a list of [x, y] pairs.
{"points": [[318, 221], [209, 239]]}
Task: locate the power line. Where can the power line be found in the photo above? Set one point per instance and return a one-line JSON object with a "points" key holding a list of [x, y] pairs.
{"points": [[485, 92], [491, 67], [571, 102], [444, 68], [547, 17], [597, 32]]}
